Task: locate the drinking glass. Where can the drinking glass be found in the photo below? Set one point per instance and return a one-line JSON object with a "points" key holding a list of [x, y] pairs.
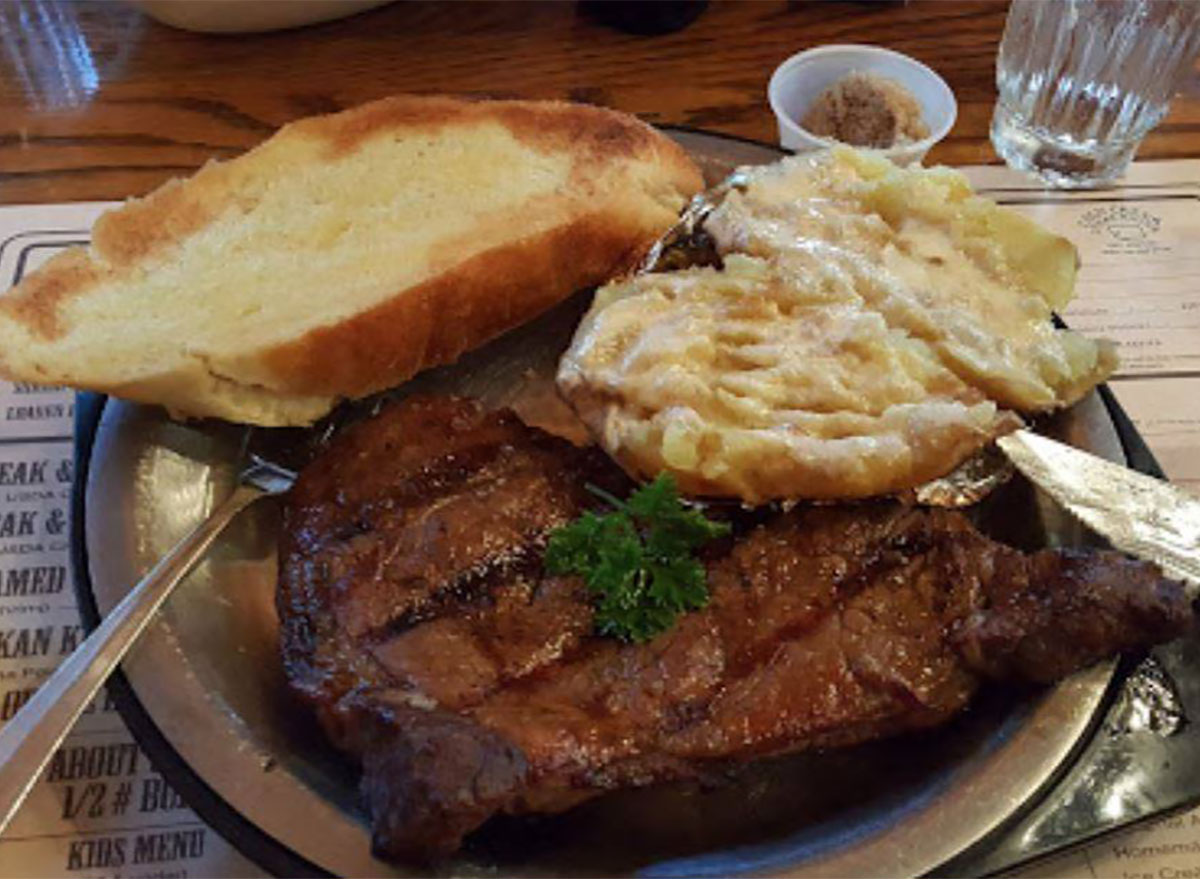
{"points": [[1082, 81]]}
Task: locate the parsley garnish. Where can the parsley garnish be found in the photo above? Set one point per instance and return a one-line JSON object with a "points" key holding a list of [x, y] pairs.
{"points": [[637, 560]]}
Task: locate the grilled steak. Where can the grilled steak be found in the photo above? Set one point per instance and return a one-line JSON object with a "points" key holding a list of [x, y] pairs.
{"points": [[417, 620]]}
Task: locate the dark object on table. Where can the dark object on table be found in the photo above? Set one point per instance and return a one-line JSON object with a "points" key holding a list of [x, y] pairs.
{"points": [[418, 621], [644, 17]]}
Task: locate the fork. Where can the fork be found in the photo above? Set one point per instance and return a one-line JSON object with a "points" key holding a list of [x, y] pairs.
{"points": [[29, 739]]}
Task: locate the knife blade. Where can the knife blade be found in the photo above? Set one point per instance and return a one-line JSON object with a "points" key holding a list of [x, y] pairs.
{"points": [[1138, 514]]}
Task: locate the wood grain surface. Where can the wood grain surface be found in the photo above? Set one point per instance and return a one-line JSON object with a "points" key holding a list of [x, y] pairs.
{"points": [[98, 101]]}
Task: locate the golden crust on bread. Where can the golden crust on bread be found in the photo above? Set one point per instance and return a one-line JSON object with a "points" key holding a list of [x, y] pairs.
{"points": [[345, 254], [870, 328]]}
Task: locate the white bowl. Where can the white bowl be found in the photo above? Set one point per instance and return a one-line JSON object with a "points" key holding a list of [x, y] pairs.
{"points": [[249, 16], [800, 80]]}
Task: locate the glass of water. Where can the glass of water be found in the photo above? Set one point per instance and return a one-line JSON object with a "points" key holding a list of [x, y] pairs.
{"points": [[1082, 81]]}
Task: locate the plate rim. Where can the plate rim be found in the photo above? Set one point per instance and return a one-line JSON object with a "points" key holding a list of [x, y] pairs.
{"points": [[277, 857]]}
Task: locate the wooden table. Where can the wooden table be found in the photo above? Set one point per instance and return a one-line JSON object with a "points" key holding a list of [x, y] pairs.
{"points": [[97, 101]]}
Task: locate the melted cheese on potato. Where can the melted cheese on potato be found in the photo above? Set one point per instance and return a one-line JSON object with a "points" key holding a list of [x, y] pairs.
{"points": [[871, 328]]}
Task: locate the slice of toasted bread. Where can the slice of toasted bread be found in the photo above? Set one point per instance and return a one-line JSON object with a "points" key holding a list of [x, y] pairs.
{"points": [[345, 254]]}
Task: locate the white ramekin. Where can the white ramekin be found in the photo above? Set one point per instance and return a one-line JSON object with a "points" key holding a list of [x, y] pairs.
{"points": [[799, 80]]}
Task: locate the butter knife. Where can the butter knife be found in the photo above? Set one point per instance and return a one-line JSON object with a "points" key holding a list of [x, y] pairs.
{"points": [[1140, 515]]}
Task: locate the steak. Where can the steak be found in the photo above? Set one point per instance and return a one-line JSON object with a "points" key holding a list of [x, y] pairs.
{"points": [[418, 622]]}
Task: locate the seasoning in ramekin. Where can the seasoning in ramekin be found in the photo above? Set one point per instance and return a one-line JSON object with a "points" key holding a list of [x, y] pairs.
{"points": [[866, 110]]}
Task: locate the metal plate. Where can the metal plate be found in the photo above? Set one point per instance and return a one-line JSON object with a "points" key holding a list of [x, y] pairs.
{"points": [[211, 698]]}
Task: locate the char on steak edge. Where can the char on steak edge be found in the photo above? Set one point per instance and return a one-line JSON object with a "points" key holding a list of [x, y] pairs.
{"points": [[418, 622]]}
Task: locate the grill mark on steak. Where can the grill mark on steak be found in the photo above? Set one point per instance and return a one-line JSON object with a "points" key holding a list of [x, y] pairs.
{"points": [[469, 683], [474, 585]]}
